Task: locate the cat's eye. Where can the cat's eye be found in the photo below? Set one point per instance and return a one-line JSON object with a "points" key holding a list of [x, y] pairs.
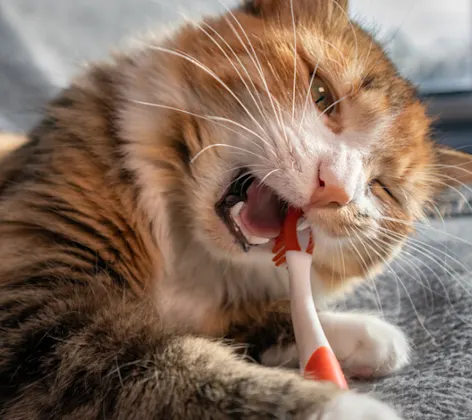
{"points": [[381, 186], [322, 96]]}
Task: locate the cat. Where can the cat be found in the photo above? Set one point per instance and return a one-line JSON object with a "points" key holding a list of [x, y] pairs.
{"points": [[137, 220]]}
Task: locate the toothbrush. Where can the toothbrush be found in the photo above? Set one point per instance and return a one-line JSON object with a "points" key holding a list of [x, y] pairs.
{"points": [[295, 248]]}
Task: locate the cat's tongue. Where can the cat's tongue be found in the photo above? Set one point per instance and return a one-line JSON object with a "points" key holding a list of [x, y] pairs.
{"points": [[261, 214]]}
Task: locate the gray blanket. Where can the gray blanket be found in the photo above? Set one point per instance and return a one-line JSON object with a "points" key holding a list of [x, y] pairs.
{"points": [[428, 291]]}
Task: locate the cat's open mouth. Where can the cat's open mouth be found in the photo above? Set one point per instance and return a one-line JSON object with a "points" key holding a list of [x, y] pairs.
{"points": [[251, 210]]}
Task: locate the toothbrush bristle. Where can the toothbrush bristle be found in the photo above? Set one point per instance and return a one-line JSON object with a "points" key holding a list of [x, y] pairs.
{"points": [[279, 244], [311, 245], [288, 238], [279, 251]]}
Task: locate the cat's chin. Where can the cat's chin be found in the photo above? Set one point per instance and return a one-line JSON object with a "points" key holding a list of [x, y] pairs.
{"points": [[327, 241]]}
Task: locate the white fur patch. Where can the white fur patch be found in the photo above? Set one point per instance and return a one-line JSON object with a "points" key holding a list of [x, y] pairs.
{"points": [[351, 406], [364, 344]]}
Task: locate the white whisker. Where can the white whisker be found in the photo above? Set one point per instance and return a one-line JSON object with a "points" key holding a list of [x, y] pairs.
{"points": [[211, 146], [308, 94], [459, 193], [270, 148], [366, 267], [234, 168], [431, 257], [419, 225], [242, 175], [254, 58], [268, 175], [295, 54], [332, 106], [462, 184], [425, 249], [400, 282], [257, 103], [351, 25], [457, 166], [210, 118], [279, 115], [212, 74]]}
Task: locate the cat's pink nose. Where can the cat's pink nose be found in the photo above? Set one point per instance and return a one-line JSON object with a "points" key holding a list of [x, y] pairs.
{"points": [[330, 190], [329, 194]]}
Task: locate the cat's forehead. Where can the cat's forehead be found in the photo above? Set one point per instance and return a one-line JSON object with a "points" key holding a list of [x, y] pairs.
{"points": [[346, 55], [243, 49]]}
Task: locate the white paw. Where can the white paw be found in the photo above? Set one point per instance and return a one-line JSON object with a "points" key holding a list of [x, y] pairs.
{"points": [[351, 406], [365, 345]]}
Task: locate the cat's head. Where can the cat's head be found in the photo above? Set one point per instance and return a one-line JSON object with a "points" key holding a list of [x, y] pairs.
{"points": [[284, 103]]}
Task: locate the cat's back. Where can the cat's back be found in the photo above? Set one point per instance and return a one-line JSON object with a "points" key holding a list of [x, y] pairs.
{"points": [[67, 201]]}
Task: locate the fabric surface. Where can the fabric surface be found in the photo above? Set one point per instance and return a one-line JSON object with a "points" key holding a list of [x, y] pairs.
{"points": [[428, 291]]}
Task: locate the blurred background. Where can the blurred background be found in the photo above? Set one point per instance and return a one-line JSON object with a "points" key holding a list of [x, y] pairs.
{"points": [[43, 43]]}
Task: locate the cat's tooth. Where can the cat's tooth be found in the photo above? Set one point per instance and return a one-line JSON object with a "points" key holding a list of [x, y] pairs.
{"points": [[236, 209], [251, 239], [257, 240], [302, 224]]}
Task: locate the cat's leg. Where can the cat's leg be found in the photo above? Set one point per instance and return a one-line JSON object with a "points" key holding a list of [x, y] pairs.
{"points": [[77, 352], [364, 344]]}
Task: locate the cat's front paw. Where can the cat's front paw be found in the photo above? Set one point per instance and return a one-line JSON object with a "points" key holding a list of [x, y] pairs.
{"points": [[366, 345], [351, 406]]}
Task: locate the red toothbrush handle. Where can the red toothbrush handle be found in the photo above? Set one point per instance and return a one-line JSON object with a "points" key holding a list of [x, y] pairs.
{"points": [[324, 366]]}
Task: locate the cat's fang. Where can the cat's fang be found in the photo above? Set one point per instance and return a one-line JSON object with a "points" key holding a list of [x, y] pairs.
{"points": [[236, 209], [257, 240], [251, 239]]}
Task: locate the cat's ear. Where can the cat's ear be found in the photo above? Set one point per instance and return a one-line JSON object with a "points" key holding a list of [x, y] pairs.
{"points": [[263, 8], [268, 8], [453, 166]]}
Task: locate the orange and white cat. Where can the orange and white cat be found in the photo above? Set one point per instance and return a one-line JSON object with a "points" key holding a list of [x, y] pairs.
{"points": [[136, 223]]}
